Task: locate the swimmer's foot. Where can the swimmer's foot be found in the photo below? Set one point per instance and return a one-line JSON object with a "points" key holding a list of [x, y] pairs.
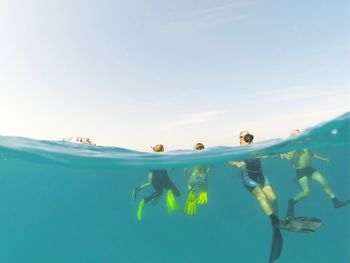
{"points": [[337, 203], [274, 220]]}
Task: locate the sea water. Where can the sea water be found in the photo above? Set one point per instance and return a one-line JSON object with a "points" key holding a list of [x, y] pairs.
{"points": [[64, 202]]}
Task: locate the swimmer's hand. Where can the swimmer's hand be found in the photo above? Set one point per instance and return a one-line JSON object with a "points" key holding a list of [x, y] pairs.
{"points": [[236, 164], [287, 156], [325, 159]]}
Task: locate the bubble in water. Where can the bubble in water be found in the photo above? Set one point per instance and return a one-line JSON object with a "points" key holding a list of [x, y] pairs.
{"points": [[334, 132]]}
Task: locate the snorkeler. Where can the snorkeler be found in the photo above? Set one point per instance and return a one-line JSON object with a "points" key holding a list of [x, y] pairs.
{"points": [[160, 181], [258, 184], [197, 184], [301, 161], [255, 181]]}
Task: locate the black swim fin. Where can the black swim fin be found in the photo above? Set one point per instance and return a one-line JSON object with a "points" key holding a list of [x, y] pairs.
{"points": [[277, 244], [337, 203], [301, 224]]}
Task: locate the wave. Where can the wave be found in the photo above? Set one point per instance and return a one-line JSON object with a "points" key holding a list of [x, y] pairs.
{"points": [[328, 134]]}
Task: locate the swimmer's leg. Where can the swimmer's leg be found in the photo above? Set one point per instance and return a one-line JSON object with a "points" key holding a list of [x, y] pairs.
{"points": [[319, 178], [271, 196], [305, 192], [145, 200], [263, 200]]}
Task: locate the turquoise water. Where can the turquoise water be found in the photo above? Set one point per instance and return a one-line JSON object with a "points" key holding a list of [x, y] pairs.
{"points": [[64, 202]]}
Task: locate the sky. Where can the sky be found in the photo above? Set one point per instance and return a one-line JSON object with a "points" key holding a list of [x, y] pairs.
{"points": [[137, 73]]}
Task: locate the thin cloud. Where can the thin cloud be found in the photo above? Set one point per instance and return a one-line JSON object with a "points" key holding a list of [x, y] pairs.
{"points": [[194, 119], [212, 16]]}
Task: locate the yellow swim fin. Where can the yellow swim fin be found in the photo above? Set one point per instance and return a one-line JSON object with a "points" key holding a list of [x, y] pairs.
{"points": [[139, 211], [191, 207], [171, 203], [203, 198]]}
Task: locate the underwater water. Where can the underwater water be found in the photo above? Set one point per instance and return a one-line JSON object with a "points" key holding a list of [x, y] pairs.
{"points": [[64, 202]]}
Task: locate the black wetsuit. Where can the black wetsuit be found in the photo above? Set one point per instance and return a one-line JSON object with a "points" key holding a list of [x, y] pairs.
{"points": [[160, 181], [254, 176]]}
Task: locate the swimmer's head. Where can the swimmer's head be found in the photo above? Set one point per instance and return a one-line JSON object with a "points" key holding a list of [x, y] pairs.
{"points": [[158, 148], [199, 146], [245, 137], [295, 132]]}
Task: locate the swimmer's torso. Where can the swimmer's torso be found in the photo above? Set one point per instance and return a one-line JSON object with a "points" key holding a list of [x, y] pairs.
{"points": [[201, 171], [300, 159]]}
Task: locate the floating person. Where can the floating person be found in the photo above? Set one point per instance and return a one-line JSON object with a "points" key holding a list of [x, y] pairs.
{"points": [[160, 181], [197, 185], [258, 184], [301, 161]]}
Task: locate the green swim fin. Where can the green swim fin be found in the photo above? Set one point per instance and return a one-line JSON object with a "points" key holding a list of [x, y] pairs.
{"points": [[140, 210], [191, 207], [171, 203]]}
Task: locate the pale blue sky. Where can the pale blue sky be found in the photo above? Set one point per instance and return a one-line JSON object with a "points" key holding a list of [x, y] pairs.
{"points": [[136, 73]]}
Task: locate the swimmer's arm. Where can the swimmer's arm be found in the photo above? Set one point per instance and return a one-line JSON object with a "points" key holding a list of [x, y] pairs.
{"points": [[238, 164], [147, 183], [319, 157], [288, 155], [210, 168], [270, 156], [136, 190], [144, 185]]}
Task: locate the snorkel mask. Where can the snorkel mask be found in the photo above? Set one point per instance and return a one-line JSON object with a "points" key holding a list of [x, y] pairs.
{"points": [[248, 138]]}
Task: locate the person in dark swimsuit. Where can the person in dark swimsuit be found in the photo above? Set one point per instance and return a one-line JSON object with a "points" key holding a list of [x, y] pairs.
{"points": [[254, 180], [160, 181], [256, 183]]}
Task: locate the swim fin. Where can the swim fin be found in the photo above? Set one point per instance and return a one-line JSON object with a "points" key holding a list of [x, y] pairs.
{"points": [[140, 210], [171, 203], [337, 203], [301, 224], [191, 207], [277, 244], [203, 198]]}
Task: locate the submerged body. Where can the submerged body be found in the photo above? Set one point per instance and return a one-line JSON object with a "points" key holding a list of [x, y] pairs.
{"points": [[257, 183], [197, 185], [160, 181], [301, 162], [198, 188]]}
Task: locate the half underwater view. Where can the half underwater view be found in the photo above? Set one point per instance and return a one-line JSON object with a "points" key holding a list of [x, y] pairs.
{"points": [[67, 202]]}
